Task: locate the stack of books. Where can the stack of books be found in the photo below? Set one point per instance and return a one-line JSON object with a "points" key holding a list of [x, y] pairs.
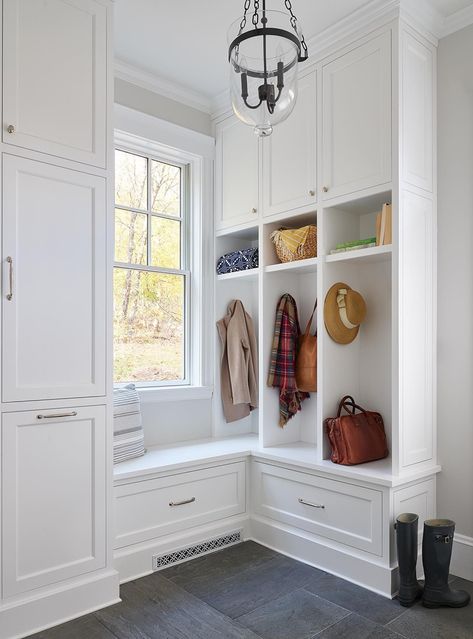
{"points": [[354, 245], [384, 226]]}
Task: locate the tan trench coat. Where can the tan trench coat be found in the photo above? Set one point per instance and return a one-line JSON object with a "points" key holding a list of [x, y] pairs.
{"points": [[239, 363]]}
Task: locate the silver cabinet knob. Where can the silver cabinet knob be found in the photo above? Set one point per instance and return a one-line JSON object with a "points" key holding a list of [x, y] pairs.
{"points": [[325, 189], [253, 210], [312, 192], [11, 128]]}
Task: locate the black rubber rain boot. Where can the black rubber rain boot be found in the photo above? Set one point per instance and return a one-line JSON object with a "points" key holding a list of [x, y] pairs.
{"points": [[407, 542], [436, 555]]}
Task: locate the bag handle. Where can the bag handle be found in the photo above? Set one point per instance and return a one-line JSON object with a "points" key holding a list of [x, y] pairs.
{"points": [[349, 401], [309, 323]]}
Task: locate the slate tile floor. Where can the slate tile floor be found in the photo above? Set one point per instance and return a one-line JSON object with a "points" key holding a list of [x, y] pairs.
{"points": [[250, 592]]}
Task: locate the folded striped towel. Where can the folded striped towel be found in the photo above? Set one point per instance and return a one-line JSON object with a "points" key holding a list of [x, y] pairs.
{"points": [[128, 435]]}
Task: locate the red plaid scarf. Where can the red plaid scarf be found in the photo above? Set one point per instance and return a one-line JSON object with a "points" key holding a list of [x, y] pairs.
{"points": [[282, 367]]}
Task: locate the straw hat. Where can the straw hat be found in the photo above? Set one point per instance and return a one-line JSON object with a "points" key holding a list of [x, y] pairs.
{"points": [[344, 311]]}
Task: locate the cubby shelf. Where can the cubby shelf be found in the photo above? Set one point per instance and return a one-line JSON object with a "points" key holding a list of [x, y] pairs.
{"points": [[248, 274], [373, 254], [300, 266]]}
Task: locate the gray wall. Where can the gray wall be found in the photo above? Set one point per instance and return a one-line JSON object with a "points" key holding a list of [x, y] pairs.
{"points": [[455, 279], [140, 99]]}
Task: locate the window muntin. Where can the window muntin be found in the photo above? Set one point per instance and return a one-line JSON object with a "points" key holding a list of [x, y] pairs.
{"points": [[151, 274]]}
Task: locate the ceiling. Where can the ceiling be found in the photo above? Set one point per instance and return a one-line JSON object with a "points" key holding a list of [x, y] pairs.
{"points": [[184, 41]]}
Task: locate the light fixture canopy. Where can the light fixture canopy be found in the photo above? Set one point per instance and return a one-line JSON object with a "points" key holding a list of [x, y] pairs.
{"points": [[264, 50]]}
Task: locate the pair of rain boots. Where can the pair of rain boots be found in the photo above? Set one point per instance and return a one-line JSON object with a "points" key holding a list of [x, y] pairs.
{"points": [[437, 547]]}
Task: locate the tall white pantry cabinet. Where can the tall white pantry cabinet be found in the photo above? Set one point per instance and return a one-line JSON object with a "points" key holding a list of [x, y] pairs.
{"points": [[362, 134], [57, 160]]}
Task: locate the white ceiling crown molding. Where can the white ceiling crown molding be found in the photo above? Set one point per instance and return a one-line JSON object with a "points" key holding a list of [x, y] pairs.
{"points": [[165, 88], [457, 21]]}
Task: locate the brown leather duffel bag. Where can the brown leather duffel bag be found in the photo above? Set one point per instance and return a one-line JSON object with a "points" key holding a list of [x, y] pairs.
{"points": [[306, 359], [356, 438]]}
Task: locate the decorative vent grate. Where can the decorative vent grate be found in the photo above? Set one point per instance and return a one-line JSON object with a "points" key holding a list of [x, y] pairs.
{"points": [[161, 561]]}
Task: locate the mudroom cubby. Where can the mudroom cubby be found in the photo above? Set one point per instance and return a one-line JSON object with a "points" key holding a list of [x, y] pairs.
{"points": [[351, 221], [270, 256], [363, 368], [303, 288]]}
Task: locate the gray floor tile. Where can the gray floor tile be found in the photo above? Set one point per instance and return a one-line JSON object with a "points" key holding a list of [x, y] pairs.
{"points": [[297, 615], [224, 562], [356, 599], [84, 628], [441, 623], [355, 627], [179, 613], [241, 593]]}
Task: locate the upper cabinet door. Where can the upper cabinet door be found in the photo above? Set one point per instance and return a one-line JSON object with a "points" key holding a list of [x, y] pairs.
{"points": [[54, 277], [289, 156], [55, 78], [357, 119], [236, 174]]}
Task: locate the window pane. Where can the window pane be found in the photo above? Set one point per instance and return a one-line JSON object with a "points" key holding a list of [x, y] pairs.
{"points": [[165, 188], [148, 326], [165, 242], [131, 180], [130, 237]]}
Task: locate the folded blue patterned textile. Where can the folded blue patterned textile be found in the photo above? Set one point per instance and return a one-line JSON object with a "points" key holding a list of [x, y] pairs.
{"points": [[238, 261]]}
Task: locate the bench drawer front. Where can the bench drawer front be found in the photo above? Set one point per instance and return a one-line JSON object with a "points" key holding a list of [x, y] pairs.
{"points": [[151, 508], [342, 512]]}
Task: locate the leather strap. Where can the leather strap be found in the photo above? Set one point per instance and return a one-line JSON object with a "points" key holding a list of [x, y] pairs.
{"points": [[349, 401], [309, 323]]}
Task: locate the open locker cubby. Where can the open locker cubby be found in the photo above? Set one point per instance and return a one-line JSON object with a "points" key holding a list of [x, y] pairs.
{"points": [[302, 427]]}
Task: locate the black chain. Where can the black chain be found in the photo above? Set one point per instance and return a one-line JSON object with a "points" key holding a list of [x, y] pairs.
{"points": [[293, 21], [243, 20], [255, 17]]}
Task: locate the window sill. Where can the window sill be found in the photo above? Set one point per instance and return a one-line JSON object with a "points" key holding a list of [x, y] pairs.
{"points": [[174, 393]]}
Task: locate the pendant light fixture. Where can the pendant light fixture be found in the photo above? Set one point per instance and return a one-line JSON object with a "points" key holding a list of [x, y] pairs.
{"points": [[264, 50]]}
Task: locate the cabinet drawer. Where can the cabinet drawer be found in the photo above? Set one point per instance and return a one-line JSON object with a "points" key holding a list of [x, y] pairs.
{"points": [[345, 513], [152, 508]]}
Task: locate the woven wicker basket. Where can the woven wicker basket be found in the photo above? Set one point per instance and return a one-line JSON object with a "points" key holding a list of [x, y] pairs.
{"points": [[303, 250]]}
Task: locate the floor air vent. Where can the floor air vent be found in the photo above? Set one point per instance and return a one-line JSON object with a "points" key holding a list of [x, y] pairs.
{"points": [[161, 561]]}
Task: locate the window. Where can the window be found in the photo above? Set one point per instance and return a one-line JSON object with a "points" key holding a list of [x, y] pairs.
{"points": [[151, 270]]}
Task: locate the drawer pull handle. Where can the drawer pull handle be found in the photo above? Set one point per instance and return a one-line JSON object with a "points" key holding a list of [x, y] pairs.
{"points": [[310, 503], [183, 502], [10, 277], [57, 415]]}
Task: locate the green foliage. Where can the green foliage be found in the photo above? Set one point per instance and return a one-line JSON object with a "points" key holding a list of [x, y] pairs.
{"points": [[148, 306]]}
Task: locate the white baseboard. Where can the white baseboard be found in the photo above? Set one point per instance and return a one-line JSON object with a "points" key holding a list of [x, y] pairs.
{"points": [[36, 612], [133, 562], [462, 557], [293, 543]]}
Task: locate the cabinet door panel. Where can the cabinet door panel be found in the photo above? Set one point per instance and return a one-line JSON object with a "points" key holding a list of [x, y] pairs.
{"points": [[357, 119], [289, 155], [55, 96], [54, 230], [237, 173], [53, 496]]}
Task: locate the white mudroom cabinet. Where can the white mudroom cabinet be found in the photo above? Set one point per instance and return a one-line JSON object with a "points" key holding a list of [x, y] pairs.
{"points": [[56, 428], [55, 78], [54, 240], [353, 143]]}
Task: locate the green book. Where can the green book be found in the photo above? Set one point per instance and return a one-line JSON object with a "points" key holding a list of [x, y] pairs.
{"points": [[368, 240]]}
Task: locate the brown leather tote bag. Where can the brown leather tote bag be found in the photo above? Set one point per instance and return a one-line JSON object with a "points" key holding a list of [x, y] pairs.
{"points": [[306, 360], [356, 438]]}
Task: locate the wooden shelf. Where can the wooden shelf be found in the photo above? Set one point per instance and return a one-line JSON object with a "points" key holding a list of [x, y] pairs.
{"points": [[373, 254], [299, 266], [248, 275]]}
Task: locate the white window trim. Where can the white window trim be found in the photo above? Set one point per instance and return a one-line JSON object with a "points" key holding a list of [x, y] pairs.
{"points": [[140, 133]]}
